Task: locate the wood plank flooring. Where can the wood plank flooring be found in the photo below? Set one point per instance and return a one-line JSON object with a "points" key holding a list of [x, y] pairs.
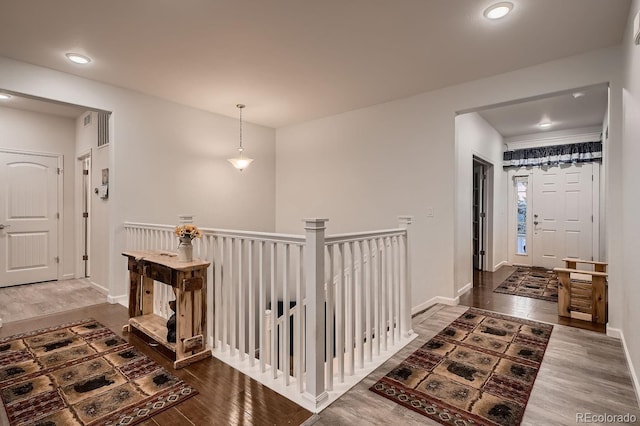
{"points": [[227, 397], [32, 300], [482, 296], [583, 371]]}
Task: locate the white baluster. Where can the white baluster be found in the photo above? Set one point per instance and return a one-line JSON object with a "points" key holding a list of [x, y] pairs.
{"points": [[368, 288], [241, 300], [299, 324], [274, 313], [285, 317], [358, 305], [264, 325], [252, 307], [329, 321], [340, 291]]}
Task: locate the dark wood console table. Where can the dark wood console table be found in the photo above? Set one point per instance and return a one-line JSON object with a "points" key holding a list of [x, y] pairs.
{"points": [[189, 282]]}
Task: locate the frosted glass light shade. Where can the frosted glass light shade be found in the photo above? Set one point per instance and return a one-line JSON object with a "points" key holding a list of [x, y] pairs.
{"points": [[240, 163]]}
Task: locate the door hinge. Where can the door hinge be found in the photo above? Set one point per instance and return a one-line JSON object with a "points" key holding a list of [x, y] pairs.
{"points": [[57, 259], [58, 215], [482, 252], [591, 222], [85, 257], [85, 214], [59, 171], [483, 214], [85, 172]]}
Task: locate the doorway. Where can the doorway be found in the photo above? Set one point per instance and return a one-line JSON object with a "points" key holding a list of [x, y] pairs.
{"points": [[554, 211], [479, 214], [84, 214]]}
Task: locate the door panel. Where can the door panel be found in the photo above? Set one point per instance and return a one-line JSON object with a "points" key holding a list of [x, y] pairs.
{"points": [[562, 206], [29, 205]]}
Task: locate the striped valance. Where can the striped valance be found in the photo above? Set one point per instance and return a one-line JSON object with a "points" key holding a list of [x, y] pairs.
{"points": [[584, 152]]}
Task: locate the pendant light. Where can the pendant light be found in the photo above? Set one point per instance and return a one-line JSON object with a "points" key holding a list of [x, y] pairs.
{"points": [[241, 162]]}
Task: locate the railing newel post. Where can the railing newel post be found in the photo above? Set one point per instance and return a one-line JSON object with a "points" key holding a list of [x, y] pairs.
{"points": [[315, 323], [406, 284]]}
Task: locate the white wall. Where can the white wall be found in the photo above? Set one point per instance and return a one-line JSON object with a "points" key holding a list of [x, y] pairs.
{"points": [[474, 136], [363, 168], [165, 159], [45, 133], [630, 282]]}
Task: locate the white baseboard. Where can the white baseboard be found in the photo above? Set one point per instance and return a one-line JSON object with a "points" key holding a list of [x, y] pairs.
{"points": [[68, 276], [438, 299], [500, 265], [123, 300], [464, 289], [100, 288], [617, 333]]}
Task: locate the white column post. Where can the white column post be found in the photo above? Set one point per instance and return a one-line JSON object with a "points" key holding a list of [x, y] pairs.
{"points": [[315, 324], [406, 284]]}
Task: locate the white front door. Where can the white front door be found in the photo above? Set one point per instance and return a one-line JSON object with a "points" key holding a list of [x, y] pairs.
{"points": [[28, 218], [562, 207]]}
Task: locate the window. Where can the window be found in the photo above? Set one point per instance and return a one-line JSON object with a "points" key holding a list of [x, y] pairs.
{"points": [[521, 183]]}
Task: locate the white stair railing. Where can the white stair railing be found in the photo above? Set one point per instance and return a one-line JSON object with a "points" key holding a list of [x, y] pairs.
{"points": [[281, 306]]}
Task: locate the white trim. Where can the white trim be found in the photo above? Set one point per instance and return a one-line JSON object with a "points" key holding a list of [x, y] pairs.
{"points": [[561, 137], [122, 300], [100, 288], [68, 276], [464, 289], [434, 301], [77, 184], [617, 333], [500, 265]]}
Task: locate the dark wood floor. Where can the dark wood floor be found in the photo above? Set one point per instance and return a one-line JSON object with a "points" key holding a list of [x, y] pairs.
{"points": [[227, 397], [482, 296]]}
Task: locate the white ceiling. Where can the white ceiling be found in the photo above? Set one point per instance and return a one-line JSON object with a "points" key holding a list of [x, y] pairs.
{"points": [[564, 111], [293, 60]]}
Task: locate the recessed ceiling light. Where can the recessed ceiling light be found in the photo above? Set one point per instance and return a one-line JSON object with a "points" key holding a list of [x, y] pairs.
{"points": [[498, 10], [545, 124], [4, 96], [78, 58], [578, 94]]}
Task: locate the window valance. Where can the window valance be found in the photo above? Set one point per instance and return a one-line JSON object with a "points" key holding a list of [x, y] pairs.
{"points": [[583, 152]]}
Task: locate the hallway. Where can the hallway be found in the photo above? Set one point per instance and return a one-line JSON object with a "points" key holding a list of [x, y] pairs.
{"points": [[482, 296]]}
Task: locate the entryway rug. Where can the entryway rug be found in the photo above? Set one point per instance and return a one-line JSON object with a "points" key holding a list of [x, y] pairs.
{"points": [[82, 373], [479, 370], [537, 283]]}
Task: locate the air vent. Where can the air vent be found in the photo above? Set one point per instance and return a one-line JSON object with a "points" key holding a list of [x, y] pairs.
{"points": [[103, 128], [87, 119]]}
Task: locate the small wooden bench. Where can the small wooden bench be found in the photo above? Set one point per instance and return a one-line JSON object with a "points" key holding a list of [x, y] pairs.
{"points": [[583, 300]]}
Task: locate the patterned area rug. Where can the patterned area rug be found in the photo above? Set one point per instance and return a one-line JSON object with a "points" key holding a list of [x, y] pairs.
{"points": [[538, 283], [479, 370], [82, 373]]}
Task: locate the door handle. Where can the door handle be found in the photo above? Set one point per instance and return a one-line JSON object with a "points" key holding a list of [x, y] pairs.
{"points": [[4, 226]]}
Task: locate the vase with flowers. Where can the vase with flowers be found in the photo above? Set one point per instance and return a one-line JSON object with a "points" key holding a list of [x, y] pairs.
{"points": [[186, 233]]}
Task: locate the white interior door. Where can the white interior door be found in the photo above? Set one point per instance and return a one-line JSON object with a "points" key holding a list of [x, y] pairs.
{"points": [[28, 218], [562, 206]]}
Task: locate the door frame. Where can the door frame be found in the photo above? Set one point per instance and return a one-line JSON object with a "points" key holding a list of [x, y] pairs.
{"points": [[78, 210], [511, 212], [60, 200], [488, 199]]}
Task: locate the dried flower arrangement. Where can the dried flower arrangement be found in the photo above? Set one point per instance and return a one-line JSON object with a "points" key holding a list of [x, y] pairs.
{"points": [[189, 231]]}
